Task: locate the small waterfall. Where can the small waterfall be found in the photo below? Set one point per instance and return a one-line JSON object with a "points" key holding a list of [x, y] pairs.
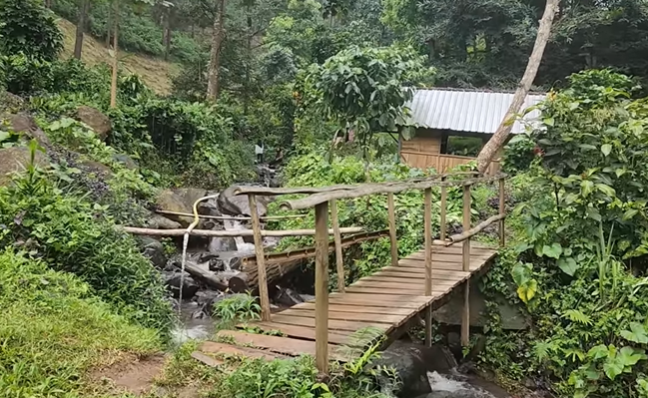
{"points": [[447, 386], [241, 247]]}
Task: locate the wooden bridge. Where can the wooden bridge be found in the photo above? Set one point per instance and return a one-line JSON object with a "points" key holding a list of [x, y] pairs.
{"points": [[388, 299]]}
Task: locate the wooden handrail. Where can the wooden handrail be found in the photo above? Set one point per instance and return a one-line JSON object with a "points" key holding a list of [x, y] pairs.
{"points": [[318, 198], [266, 191], [233, 234], [456, 238]]}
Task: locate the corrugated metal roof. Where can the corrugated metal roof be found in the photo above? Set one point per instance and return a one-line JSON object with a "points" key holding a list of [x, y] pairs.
{"points": [[474, 111]]}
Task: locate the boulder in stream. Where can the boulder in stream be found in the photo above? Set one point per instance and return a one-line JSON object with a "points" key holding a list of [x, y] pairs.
{"points": [[154, 251], [179, 200], [238, 204], [288, 297], [189, 286], [411, 370]]}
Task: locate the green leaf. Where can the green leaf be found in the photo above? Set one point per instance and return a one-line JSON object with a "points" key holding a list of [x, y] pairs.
{"points": [[598, 352], [549, 121], [521, 273], [586, 187], [606, 149], [568, 265], [4, 135], [606, 189], [612, 369], [629, 214], [636, 334], [629, 356], [553, 251]]}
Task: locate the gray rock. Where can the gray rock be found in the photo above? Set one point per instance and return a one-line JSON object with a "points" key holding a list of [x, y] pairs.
{"points": [[154, 251], [235, 205], [126, 161], [15, 159], [179, 200], [189, 285], [10, 103], [96, 120], [217, 245], [288, 297], [24, 123], [411, 370], [157, 221]]}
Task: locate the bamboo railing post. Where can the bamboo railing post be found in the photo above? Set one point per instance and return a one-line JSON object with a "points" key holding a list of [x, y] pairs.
{"points": [[444, 205], [260, 258], [339, 260], [391, 208], [321, 287], [427, 219], [465, 321], [502, 211]]}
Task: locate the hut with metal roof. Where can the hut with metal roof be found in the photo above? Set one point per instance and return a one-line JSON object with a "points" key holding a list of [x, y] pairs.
{"points": [[451, 126]]}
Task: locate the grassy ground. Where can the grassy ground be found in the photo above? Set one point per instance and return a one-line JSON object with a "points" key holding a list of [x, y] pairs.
{"points": [[154, 72], [54, 333]]}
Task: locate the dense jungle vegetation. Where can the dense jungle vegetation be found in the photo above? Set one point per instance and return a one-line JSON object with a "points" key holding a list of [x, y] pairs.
{"points": [[76, 293]]}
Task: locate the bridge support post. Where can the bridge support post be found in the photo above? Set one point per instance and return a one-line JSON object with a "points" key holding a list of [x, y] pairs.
{"points": [[321, 287], [465, 320], [261, 268], [502, 211], [339, 260], [391, 208], [444, 205], [427, 219]]}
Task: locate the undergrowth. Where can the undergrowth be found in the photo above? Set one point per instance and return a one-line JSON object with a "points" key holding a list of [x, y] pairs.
{"points": [[75, 235], [53, 330]]}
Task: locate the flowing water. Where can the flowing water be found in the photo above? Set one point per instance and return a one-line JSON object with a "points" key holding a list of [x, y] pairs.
{"points": [[462, 386], [241, 246]]}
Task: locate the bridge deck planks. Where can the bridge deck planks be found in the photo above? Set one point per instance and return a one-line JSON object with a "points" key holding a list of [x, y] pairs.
{"points": [[385, 300]]}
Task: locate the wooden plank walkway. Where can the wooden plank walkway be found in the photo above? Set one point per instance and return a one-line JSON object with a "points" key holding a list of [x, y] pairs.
{"points": [[385, 300]]}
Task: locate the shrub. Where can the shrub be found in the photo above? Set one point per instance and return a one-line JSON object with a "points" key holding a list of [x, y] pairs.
{"points": [[71, 234], [30, 28], [580, 264], [53, 330], [518, 154]]}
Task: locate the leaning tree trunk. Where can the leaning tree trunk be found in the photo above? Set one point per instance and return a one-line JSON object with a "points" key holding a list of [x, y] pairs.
{"points": [[217, 41], [84, 8], [113, 85], [489, 150]]}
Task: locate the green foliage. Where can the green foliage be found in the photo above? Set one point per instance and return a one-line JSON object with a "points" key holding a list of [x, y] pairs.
{"points": [[364, 90], [23, 74], [518, 154], [71, 234], [53, 330], [30, 28], [290, 378], [580, 248], [238, 307]]}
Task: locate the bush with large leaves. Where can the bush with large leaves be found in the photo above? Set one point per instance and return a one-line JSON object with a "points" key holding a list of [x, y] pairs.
{"points": [[364, 90], [580, 264], [28, 27]]}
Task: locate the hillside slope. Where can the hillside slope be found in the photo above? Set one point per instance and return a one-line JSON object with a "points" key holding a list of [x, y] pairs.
{"points": [[156, 73]]}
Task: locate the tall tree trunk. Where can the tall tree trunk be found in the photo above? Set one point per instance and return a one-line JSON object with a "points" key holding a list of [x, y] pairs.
{"points": [[167, 34], [489, 150], [248, 61], [81, 27], [217, 41], [113, 85], [109, 22]]}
